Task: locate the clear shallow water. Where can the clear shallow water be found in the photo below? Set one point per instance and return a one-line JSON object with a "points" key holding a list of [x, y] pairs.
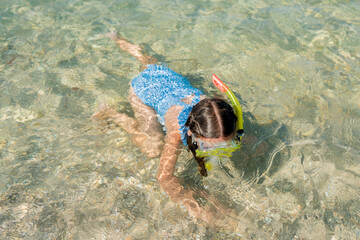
{"points": [[295, 67]]}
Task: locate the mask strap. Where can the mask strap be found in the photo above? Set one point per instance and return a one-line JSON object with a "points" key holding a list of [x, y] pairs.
{"points": [[195, 144], [239, 134]]}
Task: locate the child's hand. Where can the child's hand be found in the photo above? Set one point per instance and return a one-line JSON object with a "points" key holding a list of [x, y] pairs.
{"points": [[220, 217]]}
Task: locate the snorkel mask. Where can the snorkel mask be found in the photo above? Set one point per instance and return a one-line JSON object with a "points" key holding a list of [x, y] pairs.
{"points": [[223, 149]]}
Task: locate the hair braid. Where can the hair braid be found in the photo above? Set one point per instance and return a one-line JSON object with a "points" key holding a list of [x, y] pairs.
{"points": [[199, 160]]}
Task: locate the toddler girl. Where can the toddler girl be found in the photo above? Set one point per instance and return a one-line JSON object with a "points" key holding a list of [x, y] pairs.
{"points": [[208, 126]]}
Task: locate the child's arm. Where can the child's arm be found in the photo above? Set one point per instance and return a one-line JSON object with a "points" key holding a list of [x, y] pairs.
{"points": [[212, 213], [170, 152]]}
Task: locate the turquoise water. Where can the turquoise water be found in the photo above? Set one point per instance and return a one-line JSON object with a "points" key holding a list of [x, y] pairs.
{"points": [[295, 66]]}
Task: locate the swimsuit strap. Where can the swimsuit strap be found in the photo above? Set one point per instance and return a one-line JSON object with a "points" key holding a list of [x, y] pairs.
{"points": [[184, 115]]}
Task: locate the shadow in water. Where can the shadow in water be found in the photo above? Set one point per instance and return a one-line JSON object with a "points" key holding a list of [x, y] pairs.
{"points": [[263, 149]]}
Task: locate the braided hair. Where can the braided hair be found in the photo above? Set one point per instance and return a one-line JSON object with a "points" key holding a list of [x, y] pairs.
{"points": [[209, 118]]}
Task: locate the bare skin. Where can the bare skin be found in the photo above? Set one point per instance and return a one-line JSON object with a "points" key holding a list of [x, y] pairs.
{"points": [[146, 134]]}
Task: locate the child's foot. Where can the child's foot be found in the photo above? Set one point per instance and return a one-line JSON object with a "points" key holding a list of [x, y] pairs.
{"points": [[124, 121], [104, 112], [131, 48], [112, 35]]}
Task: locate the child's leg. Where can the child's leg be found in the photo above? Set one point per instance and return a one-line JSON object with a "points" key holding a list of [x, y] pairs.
{"points": [[145, 129], [149, 134], [124, 121], [145, 115], [150, 142]]}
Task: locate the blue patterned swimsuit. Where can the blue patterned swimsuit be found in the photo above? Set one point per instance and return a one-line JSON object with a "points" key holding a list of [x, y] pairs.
{"points": [[160, 88]]}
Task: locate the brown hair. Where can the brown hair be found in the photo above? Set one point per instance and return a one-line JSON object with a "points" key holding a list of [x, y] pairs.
{"points": [[210, 118]]}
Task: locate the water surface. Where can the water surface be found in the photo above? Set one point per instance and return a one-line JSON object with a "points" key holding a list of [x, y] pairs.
{"points": [[294, 65]]}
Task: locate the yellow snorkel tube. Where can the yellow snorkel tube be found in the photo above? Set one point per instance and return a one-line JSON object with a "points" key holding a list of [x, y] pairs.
{"points": [[214, 155], [235, 104]]}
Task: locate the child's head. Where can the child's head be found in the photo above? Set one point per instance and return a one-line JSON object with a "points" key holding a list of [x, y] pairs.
{"points": [[211, 120]]}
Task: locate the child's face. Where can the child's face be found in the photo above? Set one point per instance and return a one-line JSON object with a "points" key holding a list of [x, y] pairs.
{"points": [[206, 144], [221, 147], [211, 142]]}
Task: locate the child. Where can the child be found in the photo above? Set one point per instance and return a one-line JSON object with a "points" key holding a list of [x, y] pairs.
{"points": [[189, 117]]}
